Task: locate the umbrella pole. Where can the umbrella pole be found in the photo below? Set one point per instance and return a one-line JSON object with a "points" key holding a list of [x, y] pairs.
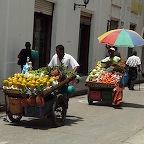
{"points": [[139, 81]]}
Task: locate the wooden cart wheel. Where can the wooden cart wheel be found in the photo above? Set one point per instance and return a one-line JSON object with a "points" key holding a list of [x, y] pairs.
{"points": [[14, 118], [90, 102], [59, 111]]}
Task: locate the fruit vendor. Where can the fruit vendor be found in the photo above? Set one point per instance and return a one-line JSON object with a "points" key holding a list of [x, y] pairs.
{"points": [[111, 56], [63, 58], [111, 63], [116, 53]]}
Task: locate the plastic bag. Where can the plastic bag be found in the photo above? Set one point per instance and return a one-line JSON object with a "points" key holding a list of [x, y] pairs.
{"points": [[25, 68], [19, 61], [35, 54], [125, 78]]}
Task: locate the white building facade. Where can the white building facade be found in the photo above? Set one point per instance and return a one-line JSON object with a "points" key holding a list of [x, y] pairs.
{"points": [[47, 23]]}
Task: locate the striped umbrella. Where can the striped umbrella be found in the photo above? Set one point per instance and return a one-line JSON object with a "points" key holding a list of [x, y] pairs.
{"points": [[121, 38]]}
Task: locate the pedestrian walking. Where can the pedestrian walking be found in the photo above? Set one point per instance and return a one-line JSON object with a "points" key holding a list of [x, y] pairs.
{"points": [[133, 65], [24, 53]]}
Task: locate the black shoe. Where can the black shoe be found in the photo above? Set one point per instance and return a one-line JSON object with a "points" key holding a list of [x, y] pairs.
{"points": [[117, 107], [131, 89]]}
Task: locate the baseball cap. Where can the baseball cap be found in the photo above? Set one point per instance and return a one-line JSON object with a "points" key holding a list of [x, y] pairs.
{"points": [[113, 49]]}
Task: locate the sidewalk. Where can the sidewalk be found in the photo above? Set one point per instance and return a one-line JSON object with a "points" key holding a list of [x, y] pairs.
{"points": [[81, 89]]}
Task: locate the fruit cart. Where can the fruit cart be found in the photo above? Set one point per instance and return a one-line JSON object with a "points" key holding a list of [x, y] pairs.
{"points": [[52, 103], [105, 83], [99, 92], [109, 93]]}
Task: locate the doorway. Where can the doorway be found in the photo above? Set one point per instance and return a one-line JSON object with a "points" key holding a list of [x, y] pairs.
{"points": [[83, 51], [42, 38]]}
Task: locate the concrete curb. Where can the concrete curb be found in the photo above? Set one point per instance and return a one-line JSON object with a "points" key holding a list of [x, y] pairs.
{"points": [[79, 92]]}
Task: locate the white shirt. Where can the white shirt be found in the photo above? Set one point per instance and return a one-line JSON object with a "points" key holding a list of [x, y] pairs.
{"points": [[133, 61], [115, 59], [67, 60]]}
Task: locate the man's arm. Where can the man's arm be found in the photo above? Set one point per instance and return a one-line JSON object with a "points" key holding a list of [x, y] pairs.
{"points": [[74, 64], [139, 68], [139, 64], [75, 69], [126, 68]]}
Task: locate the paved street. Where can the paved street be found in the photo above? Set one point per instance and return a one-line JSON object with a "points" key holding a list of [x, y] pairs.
{"points": [[85, 124]]}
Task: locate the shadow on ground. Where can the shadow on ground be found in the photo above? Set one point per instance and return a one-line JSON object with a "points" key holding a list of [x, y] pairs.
{"points": [[42, 123], [124, 104], [132, 105]]}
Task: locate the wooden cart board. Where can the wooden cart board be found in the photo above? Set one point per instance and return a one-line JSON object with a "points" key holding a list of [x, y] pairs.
{"points": [[92, 84], [12, 91]]}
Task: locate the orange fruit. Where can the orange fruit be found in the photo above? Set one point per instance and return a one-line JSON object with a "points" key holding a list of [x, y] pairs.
{"points": [[5, 83]]}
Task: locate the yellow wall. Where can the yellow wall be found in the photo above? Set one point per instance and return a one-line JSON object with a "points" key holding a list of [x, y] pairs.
{"points": [[136, 6]]}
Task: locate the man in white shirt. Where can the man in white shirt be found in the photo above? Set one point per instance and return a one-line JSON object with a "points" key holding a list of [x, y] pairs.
{"points": [[62, 58], [132, 63]]}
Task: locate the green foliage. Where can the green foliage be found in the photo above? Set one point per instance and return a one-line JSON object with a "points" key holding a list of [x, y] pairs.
{"points": [[39, 71], [63, 71]]}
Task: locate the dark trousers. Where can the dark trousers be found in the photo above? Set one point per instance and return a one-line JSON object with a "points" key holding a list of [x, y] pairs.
{"points": [[21, 67], [132, 76]]}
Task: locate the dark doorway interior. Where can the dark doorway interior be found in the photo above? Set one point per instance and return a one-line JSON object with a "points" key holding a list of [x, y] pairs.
{"points": [[42, 38], [83, 48]]}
